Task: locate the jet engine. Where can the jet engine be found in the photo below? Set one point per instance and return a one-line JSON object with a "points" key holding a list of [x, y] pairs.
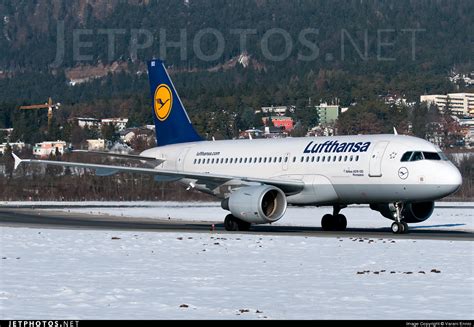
{"points": [[257, 204], [412, 212]]}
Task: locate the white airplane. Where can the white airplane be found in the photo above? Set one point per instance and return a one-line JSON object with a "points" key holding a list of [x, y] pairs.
{"points": [[399, 176]]}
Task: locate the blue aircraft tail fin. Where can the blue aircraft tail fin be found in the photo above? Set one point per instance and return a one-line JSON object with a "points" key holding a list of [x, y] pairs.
{"points": [[172, 123]]}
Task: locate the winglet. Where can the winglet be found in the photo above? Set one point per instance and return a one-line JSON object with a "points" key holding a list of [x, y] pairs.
{"points": [[18, 161], [395, 131]]}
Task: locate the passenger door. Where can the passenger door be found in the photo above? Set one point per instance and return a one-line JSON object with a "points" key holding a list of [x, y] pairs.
{"points": [[375, 163]]}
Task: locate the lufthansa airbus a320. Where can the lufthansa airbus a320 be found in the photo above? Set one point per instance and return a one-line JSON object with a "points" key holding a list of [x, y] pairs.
{"points": [[399, 176]]}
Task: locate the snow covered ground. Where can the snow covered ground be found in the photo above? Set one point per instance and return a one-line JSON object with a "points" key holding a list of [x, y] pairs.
{"points": [[63, 274], [87, 274]]}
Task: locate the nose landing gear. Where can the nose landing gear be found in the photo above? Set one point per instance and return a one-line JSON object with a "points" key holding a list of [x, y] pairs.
{"points": [[399, 226]]}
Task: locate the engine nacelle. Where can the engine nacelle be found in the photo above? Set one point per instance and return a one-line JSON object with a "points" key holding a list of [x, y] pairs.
{"points": [[257, 204], [412, 212]]}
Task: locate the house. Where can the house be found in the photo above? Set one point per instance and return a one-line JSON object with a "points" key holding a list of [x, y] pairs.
{"points": [[45, 149], [15, 147], [119, 123], [283, 122], [251, 133], [276, 110], [128, 134], [87, 122], [96, 144]]}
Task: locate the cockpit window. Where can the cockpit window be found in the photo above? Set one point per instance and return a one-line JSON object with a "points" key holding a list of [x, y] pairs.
{"points": [[417, 156], [431, 156], [443, 156], [406, 156]]}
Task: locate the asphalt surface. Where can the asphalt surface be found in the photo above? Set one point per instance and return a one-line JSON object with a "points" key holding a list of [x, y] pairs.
{"points": [[33, 218]]}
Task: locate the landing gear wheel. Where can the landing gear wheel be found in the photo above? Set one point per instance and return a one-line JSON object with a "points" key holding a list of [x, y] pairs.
{"points": [[399, 228], [327, 223], [231, 224], [396, 228], [243, 225], [340, 222], [405, 227]]}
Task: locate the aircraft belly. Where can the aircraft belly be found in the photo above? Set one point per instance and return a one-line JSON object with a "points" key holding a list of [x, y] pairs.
{"points": [[377, 193]]}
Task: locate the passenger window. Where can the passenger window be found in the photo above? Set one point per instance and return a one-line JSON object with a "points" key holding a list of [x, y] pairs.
{"points": [[406, 156], [317, 159], [345, 158], [340, 158], [357, 158], [312, 159], [265, 160], [417, 156], [226, 160], [279, 160], [323, 158], [307, 159]]}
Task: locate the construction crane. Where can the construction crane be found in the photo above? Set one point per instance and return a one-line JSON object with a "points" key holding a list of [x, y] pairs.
{"points": [[48, 105]]}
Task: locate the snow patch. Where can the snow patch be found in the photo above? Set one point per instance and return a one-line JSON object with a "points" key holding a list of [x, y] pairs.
{"points": [[61, 274]]}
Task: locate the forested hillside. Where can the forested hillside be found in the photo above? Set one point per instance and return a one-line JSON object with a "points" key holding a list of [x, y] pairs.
{"points": [[350, 50], [227, 58]]}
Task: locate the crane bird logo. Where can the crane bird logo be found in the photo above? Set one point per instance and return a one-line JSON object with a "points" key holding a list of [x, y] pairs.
{"points": [[163, 102]]}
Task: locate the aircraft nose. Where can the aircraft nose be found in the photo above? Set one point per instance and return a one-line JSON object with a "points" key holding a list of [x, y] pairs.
{"points": [[456, 178], [453, 178]]}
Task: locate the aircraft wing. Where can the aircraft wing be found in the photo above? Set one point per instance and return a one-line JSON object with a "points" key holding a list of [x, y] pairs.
{"points": [[286, 185], [120, 155]]}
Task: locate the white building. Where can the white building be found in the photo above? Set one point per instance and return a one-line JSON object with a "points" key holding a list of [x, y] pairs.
{"points": [[461, 104], [96, 144], [128, 134], [276, 110], [119, 123], [439, 100], [87, 122], [468, 127], [15, 146], [44, 149]]}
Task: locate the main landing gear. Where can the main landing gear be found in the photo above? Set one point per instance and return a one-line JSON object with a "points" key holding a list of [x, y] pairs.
{"points": [[334, 222], [233, 224], [399, 226]]}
